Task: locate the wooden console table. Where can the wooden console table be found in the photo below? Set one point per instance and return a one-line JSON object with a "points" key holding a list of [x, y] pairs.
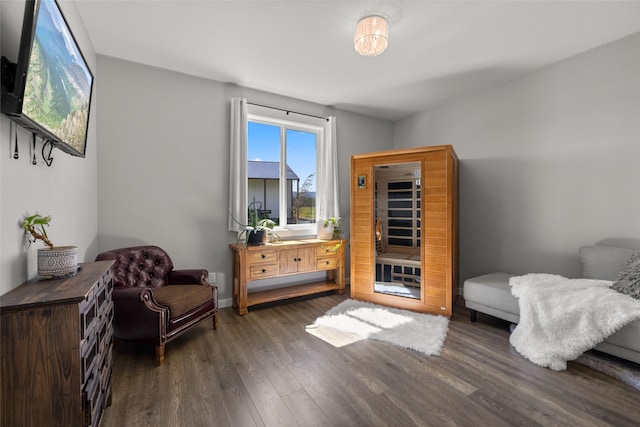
{"points": [[286, 258]]}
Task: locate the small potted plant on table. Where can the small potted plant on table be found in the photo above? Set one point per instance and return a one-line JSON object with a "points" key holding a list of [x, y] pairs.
{"points": [[54, 262], [329, 227], [256, 230]]}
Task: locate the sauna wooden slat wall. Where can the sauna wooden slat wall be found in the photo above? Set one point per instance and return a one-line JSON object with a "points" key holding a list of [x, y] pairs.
{"points": [[439, 221]]}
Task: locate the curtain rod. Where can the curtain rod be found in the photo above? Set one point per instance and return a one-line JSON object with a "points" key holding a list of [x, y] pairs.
{"points": [[288, 111]]}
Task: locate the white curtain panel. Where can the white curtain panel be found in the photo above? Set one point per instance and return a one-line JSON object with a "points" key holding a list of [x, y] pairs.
{"points": [[328, 198], [238, 164]]}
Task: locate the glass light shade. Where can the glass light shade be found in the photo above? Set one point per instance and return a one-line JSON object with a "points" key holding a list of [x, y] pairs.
{"points": [[372, 35]]}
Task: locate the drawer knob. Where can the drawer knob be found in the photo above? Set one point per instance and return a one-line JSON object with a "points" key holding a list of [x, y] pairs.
{"points": [[327, 262], [263, 256], [264, 271]]}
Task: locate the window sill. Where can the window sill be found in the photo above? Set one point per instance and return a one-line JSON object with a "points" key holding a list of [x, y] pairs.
{"points": [[299, 233]]}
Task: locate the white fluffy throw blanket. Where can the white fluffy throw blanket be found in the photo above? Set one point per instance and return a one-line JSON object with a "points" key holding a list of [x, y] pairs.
{"points": [[562, 318]]}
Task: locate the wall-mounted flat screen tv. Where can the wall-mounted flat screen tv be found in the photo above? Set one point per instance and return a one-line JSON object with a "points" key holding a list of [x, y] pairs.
{"points": [[48, 91]]}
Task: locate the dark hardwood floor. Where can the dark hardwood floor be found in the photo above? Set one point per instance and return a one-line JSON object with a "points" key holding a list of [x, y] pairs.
{"points": [[263, 369]]}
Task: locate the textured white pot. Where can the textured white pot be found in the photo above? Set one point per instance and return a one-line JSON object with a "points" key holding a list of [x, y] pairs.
{"points": [[325, 233], [57, 263]]}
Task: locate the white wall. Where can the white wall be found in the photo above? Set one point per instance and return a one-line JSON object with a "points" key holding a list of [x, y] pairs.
{"points": [[164, 161], [66, 190], [548, 162]]}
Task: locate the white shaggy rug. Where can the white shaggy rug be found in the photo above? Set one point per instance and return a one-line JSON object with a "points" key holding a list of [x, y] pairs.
{"points": [[353, 320], [562, 318]]}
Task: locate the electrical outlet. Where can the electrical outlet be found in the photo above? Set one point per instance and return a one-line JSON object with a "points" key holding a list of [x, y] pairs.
{"points": [[220, 281], [212, 277]]}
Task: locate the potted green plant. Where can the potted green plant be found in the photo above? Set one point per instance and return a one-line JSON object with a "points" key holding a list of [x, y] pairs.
{"points": [[54, 262], [257, 229], [328, 228]]}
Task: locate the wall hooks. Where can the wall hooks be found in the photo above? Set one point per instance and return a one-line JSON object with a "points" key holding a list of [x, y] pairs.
{"points": [[47, 159], [33, 150], [14, 127], [31, 155]]}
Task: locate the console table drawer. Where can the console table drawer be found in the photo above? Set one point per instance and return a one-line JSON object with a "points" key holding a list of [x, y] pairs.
{"points": [[262, 271], [328, 263], [327, 251], [263, 257]]}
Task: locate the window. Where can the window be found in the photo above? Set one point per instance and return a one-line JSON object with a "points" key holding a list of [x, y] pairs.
{"points": [[281, 170], [287, 163]]}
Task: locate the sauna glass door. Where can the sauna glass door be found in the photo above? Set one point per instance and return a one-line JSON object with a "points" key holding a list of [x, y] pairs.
{"points": [[397, 209]]}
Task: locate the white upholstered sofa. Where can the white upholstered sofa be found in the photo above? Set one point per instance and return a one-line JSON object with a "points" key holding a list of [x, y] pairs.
{"points": [[491, 294]]}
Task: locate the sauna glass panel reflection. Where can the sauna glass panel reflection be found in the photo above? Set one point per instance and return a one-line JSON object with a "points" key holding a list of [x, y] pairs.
{"points": [[397, 233]]}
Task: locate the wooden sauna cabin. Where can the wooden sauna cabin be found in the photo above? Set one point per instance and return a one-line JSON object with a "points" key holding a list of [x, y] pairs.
{"points": [[404, 228]]}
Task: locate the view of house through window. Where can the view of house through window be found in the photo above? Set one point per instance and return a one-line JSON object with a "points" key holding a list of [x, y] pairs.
{"points": [[281, 171]]}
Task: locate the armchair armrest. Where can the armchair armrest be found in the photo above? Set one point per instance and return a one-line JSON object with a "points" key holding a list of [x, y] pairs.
{"points": [[137, 297], [188, 277], [131, 294], [137, 315]]}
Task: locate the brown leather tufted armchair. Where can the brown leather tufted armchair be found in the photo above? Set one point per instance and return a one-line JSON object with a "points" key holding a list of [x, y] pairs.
{"points": [[152, 302]]}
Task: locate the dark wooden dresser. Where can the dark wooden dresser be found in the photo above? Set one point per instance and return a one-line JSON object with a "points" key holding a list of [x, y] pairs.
{"points": [[57, 338]]}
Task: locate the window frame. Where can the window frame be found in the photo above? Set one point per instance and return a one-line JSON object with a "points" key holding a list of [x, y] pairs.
{"points": [[306, 124]]}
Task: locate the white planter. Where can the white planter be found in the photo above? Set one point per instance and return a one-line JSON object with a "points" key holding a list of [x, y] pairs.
{"points": [[325, 233], [57, 263]]}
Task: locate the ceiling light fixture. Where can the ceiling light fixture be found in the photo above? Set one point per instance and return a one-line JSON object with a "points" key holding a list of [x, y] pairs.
{"points": [[372, 35]]}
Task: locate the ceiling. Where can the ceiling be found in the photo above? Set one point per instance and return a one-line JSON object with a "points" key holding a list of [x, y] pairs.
{"points": [[438, 50]]}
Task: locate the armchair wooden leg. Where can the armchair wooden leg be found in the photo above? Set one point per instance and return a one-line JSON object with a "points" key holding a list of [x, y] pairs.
{"points": [[160, 353], [215, 321]]}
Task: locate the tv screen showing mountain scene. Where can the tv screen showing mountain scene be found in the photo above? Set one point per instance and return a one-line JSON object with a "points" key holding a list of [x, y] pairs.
{"points": [[59, 82]]}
